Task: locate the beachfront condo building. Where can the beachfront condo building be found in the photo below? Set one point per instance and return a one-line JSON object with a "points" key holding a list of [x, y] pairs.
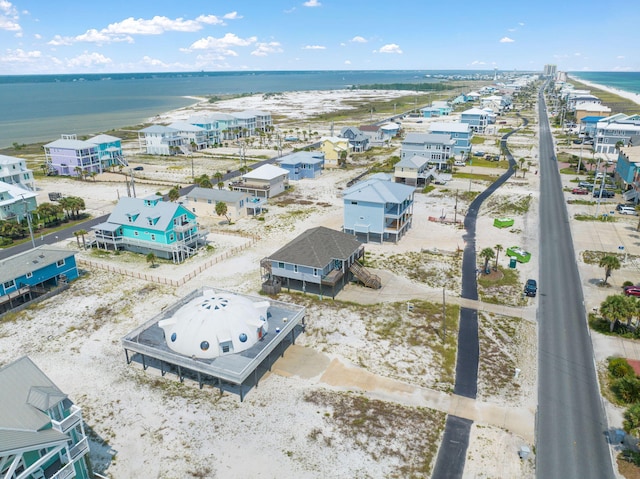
{"points": [[41, 431], [150, 225], [195, 137]]}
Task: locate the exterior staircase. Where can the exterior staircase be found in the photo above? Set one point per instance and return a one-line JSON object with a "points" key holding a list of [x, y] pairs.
{"points": [[370, 280]]}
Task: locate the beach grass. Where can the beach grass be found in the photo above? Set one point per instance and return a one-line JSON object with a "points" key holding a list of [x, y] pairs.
{"points": [[617, 103]]}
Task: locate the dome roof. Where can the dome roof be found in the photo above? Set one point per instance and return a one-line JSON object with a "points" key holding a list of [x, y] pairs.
{"points": [[214, 324]]}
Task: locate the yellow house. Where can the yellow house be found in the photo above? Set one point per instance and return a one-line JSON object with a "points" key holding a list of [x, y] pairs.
{"points": [[336, 150]]}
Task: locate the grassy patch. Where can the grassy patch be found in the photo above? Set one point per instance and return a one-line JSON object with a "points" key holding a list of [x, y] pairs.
{"points": [[594, 257], [506, 290], [505, 206], [581, 202], [477, 140], [476, 176], [601, 218], [386, 432]]}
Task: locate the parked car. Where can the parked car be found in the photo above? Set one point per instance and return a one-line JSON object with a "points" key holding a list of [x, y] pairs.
{"points": [[632, 290], [586, 185], [577, 141], [628, 210], [139, 168], [459, 163], [603, 194], [478, 153], [580, 191], [531, 288]]}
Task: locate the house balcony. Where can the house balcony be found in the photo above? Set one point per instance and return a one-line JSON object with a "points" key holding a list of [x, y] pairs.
{"points": [[332, 278], [186, 226], [249, 186], [79, 450], [397, 225], [65, 473], [73, 419]]}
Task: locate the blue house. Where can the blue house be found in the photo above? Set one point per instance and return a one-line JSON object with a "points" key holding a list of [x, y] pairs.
{"points": [[588, 125], [109, 150], [320, 260], [41, 431], [378, 209], [151, 225], [303, 164], [628, 170], [476, 118], [430, 112], [27, 275], [460, 133]]}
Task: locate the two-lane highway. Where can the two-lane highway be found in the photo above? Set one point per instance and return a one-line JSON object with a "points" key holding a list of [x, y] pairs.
{"points": [[571, 440]]}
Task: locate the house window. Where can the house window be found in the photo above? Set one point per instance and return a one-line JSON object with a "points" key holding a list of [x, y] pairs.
{"points": [[150, 221], [315, 271], [354, 202], [153, 237], [29, 275], [295, 268], [225, 348], [130, 219], [60, 263], [209, 201], [171, 237], [135, 233], [9, 284], [281, 265]]}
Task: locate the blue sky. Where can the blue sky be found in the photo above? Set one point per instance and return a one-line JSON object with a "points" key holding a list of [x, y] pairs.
{"points": [[72, 36]]}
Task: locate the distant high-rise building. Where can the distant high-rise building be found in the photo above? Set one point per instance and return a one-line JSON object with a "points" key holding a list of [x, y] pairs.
{"points": [[550, 70]]}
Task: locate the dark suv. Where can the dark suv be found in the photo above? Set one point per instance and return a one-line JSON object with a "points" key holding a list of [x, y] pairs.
{"points": [[531, 288], [603, 194]]}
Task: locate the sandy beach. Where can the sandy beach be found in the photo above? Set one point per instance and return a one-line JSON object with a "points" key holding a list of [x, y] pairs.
{"points": [[634, 97]]}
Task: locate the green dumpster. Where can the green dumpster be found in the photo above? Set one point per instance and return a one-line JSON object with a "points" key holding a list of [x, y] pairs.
{"points": [[503, 222], [512, 263], [518, 253]]}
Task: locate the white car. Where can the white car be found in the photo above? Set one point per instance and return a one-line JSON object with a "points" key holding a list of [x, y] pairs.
{"points": [[459, 163], [628, 210]]}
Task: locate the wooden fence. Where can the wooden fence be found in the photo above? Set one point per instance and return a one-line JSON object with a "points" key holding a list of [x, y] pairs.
{"points": [[167, 281]]}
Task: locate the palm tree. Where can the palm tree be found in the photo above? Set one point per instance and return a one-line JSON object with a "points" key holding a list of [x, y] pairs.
{"points": [[151, 258], [487, 254], [221, 210], [614, 309], [218, 176], [174, 194], [609, 263], [515, 170], [498, 248], [78, 234]]}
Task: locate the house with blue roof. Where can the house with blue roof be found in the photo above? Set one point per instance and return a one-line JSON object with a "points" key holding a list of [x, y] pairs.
{"points": [[430, 112], [41, 431], [303, 164], [69, 156], [151, 225], [588, 125], [476, 118], [32, 273], [161, 140], [109, 150], [378, 210], [443, 106], [460, 133]]}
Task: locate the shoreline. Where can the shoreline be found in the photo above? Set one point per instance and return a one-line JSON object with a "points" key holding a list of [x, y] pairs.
{"points": [[634, 97]]}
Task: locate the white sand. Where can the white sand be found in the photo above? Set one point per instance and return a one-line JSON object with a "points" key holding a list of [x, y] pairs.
{"points": [[157, 427], [634, 97]]}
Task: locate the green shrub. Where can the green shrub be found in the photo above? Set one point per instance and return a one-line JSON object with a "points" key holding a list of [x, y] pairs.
{"points": [[627, 283], [619, 368], [626, 389]]}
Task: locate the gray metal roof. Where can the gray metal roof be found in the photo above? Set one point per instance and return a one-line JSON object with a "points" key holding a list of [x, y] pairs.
{"points": [[308, 157], [317, 247], [216, 195], [158, 129], [10, 160], [416, 161], [98, 139], [449, 126], [22, 422], [69, 144], [377, 191], [423, 138], [140, 210], [30, 261]]}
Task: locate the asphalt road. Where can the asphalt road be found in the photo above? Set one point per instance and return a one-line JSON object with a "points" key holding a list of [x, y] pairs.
{"points": [[571, 425]]}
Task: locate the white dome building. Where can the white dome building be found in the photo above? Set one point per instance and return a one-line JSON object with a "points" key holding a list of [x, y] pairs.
{"points": [[215, 324]]}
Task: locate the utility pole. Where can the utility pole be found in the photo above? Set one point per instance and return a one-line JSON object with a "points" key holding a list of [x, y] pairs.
{"points": [[28, 215], [455, 210], [444, 318]]}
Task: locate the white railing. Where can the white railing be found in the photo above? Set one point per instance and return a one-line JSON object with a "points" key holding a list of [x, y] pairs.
{"points": [[74, 417], [65, 473], [79, 449]]}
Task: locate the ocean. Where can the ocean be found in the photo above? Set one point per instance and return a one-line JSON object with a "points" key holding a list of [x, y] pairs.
{"points": [[626, 81], [39, 108]]}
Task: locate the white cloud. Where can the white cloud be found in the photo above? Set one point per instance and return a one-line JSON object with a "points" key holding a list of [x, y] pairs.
{"points": [[390, 48], [94, 36], [506, 40], [359, 39], [210, 20], [347, 62], [57, 41], [9, 17], [314, 47], [478, 62], [87, 60], [312, 3], [20, 56], [521, 24], [620, 57], [37, 36], [291, 10], [221, 47], [232, 16], [511, 30], [154, 62], [264, 49], [154, 26]]}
